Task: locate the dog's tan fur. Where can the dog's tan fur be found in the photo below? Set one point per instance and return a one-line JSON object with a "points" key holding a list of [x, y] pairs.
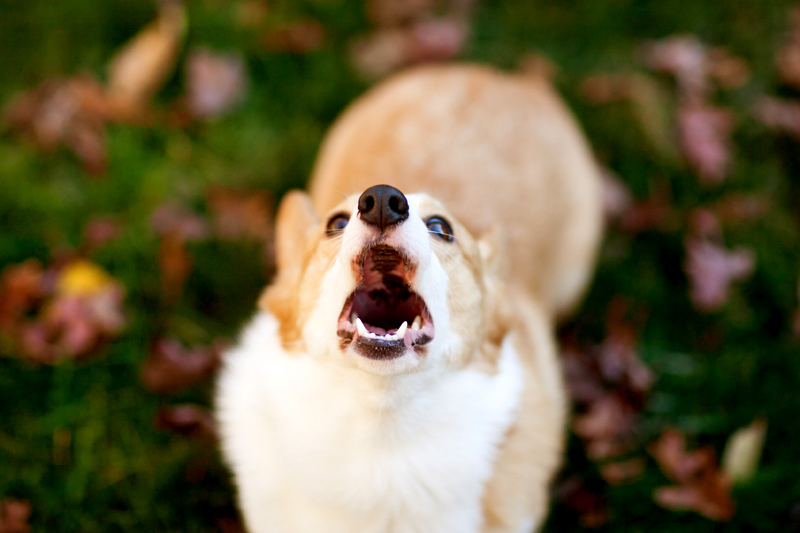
{"points": [[510, 168]]}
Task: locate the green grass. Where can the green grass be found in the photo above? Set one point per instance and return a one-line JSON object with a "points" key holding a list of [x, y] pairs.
{"points": [[78, 439]]}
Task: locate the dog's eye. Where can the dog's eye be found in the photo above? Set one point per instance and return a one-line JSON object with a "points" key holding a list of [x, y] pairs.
{"points": [[439, 227], [336, 224]]}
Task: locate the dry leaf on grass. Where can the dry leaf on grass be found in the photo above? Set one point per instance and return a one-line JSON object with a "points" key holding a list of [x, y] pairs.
{"points": [[537, 65], [779, 114], [216, 83], [176, 226], [64, 312], [609, 384], [387, 50], [704, 134], [617, 196], [21, 286], [171, 367], [743, 452], [741, 207], [244, 215], [73, 113], [685, 58], [788, 58], [142, 66], [622, 472], [14, 516], [383, 13], [606, 427], [702, 486], [587, 501], [649, 103], [70, 113], [729, 71], [99, 231], [187, 419], [655, 213], [241, 214], [711, 269], [297, 37]]}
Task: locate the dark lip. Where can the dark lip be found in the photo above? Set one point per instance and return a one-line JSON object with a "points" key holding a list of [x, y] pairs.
{"points": [[379, 349]]}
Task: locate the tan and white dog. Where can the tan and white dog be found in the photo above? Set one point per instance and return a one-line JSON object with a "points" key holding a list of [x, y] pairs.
{"points": [[401, 375]]}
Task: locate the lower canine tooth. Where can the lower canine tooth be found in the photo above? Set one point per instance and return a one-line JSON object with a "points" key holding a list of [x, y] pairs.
{"points": [[401, 331], [353, 317], [362, 330], [417, 323]]}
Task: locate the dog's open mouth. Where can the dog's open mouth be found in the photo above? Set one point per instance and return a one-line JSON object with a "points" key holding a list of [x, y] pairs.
{"points": [[383, 317]]}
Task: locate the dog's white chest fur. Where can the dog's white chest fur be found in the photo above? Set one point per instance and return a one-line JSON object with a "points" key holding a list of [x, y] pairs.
{"points": [[323, 447]]}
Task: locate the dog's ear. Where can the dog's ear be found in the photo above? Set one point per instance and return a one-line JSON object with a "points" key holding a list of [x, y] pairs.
{"points": [[496, 314], [295, 219], [493, 246]]}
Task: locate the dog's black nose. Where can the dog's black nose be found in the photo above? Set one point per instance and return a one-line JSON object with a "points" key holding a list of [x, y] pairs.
{"points": [[382, 206]]}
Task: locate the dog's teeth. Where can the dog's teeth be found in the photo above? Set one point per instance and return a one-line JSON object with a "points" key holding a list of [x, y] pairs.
{"points": [[362, 330], [401, 331], [353, 317], [417, 323]]}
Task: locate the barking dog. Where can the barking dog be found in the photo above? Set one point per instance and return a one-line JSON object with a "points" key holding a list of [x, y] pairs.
{"points": [[401, 374]]}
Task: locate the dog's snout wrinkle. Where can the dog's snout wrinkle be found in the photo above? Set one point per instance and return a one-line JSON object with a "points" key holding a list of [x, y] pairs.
{"points": [[383, 206]]}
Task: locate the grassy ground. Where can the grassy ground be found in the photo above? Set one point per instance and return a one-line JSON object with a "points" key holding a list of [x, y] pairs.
{"points": [[78, 439]]}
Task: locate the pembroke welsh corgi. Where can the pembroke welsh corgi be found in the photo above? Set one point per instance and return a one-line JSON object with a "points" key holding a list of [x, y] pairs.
{"points": [[401, 374]]}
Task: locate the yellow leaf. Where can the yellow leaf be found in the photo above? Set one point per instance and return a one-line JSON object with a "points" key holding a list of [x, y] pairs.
{"points": [[743, 451], [82, 278]]}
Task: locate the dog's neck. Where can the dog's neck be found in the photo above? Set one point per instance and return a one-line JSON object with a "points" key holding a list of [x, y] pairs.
{"points": [[381, 394]]}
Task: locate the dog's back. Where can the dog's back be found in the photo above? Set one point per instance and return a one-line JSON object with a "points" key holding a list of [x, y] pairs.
{"points": [[497, 149]]}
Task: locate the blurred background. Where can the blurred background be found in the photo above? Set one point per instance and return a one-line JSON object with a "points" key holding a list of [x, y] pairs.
{"points": [[144, 146]]}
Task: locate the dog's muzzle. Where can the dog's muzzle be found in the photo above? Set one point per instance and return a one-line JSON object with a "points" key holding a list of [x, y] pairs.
{"points": [[383, 318]]}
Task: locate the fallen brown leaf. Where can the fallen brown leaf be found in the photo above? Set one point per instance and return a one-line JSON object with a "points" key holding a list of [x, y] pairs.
{"points": [[685, 58], [383, 13], [741, 207], [711, 269], [216, 83], [702, 486], [386, 50], [187, 419], [64, 312], [648, 100], [171, 367], [588, 502], [176, 226], [654, 213], [537, 65], [621, 472], [141, 66], [779, 114], [704, 134], [729, 71], [70, 113], [617, 196], [788, 58], [297, 37], [14, 516], [99, 231], [241, 214], [606, 427], [20, 287]]}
